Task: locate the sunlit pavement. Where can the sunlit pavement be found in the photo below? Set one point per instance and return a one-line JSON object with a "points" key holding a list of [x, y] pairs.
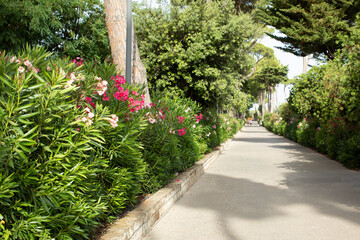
{"points": [[266, 187]]}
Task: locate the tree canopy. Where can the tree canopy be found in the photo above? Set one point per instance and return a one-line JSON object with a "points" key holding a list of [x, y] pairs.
{"points": [[310, 26], [200, 50], [72, 28]]}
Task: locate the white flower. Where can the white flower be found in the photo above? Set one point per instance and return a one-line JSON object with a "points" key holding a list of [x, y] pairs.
{"points": [[89, 122], [12, 59], [48, 68], [28, 64], [72, 76], [90, 115], [87, 109], [103, 86], [21, 69], [187, 110], [152, 120]]}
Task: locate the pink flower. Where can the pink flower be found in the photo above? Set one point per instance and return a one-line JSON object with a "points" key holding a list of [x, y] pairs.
{"points": [[198, 118], [135, 93], [182, 132], [21, 69], [105, 98], [214, 126], [181, 119], [318, 128], [122, 95], [152, 104], [88, 99]]}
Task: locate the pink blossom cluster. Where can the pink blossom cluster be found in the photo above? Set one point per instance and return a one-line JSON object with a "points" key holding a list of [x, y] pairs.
{"points": [[78, 61], [90, 101], [136, 105], [119, 80], [198, 117], [181, 119], [182, 132]]}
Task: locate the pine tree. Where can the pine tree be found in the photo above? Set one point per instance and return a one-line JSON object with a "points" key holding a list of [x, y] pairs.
{"points": [[310, 26]]}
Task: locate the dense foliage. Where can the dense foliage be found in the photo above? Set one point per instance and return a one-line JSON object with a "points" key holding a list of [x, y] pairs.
{"points": [[200, 50], [70, 28], [78, 145], [323, 110], [310, 27]]}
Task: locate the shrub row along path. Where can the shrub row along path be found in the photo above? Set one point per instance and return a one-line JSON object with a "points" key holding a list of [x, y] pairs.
{"points": [[265, 187]]}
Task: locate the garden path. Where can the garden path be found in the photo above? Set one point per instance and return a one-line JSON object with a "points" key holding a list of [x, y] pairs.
{"points": [[266, 187]]}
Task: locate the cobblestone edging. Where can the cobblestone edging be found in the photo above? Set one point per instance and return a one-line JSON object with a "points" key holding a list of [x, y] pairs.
{"points": [[139, 221]]}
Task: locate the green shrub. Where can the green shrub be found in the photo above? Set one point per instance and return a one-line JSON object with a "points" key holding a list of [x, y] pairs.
{"points": [[350, 151], [64, 167]]}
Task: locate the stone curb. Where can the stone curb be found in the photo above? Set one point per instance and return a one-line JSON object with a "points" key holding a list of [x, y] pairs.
{"points": [[139, 221]]}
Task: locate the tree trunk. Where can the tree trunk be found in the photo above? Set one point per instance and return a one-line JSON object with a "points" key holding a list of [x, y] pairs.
{"points": [[116, 24], [269, 99]]}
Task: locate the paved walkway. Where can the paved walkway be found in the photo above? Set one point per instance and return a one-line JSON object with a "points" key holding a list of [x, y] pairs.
{"points": [[265, 187]]}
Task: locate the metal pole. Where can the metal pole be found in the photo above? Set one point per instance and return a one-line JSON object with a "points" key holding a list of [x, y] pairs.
{"points": [[128, 41]]}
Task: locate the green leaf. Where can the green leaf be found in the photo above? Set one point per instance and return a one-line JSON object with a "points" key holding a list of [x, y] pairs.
{"points": [[29, 115], [22, 154], [6, 82], [30, 131]]}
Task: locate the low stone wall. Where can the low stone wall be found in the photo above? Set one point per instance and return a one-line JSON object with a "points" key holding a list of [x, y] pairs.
{"points": [[139, 221]]}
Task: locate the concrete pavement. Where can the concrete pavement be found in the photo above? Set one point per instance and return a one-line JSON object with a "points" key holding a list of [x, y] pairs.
{"points": [[265, 187]]}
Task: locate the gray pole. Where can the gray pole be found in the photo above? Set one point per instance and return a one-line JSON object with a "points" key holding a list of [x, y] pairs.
{"points": [[128, 41]]}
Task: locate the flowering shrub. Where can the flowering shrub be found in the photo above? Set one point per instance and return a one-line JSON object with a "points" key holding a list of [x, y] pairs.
{"points": [[78, 144], [66, 160], [335, 137], [171, 141]]}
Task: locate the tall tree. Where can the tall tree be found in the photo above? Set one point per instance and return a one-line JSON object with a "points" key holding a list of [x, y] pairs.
{"points": [[200, 50], [116, 24], [310, 26]]}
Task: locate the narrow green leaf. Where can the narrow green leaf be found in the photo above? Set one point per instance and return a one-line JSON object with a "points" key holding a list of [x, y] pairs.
{"points": [[30, 131], [21, 154], [29, 115], [6, 82]]}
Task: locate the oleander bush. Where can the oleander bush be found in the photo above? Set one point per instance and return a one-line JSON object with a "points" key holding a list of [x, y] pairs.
{"points": [[78, 145]]}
